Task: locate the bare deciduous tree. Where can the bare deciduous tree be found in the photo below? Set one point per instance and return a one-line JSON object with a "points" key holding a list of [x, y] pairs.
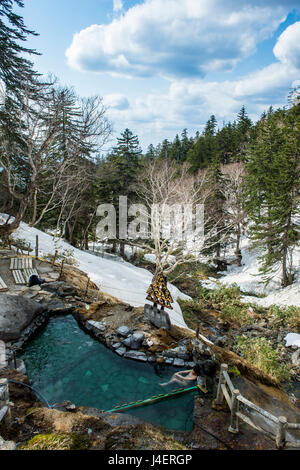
{"points": [[234, 201], [171, 194]]}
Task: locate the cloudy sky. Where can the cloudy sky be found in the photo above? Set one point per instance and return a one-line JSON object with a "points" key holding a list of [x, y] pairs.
{"points": [[165, 65]]}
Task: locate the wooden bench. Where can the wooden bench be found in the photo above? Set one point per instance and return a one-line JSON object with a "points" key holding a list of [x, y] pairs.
{"points": [[3, 286], [27, 273], [18, 276], [21, 263]]}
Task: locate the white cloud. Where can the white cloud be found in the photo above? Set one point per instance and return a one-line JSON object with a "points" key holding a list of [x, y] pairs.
{"points": [[190, 102], [116, 101], [118, 5], [287, 48], [175, 38]]}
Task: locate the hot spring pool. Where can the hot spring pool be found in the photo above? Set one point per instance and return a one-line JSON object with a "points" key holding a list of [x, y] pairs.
{"points": [[64, 363]]}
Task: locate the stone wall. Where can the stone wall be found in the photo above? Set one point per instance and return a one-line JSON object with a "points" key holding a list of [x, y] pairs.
{"points": [[157, 317], [3, 360]]}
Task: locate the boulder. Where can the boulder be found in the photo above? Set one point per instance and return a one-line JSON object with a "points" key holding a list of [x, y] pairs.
{"points": [[97, 325], [178, 362], [137, 355], [134, 341], [296, 358], [124, 331], [121, 351], [16, 314]]}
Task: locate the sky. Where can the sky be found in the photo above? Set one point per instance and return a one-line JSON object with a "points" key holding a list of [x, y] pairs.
{"points": [[165, 65]]}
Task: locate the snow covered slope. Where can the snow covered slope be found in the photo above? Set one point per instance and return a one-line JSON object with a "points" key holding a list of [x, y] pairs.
{"points": [[249, 279], [123, 280]]}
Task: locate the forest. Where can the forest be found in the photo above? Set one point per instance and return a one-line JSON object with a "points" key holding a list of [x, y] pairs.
{"points": [[54, 173]]}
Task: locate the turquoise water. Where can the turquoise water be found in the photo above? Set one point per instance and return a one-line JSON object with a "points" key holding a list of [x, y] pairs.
{"points": [[64, 363]]}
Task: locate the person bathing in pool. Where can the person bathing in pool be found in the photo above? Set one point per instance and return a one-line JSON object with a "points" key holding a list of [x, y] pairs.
{"points": [[184, 376]]}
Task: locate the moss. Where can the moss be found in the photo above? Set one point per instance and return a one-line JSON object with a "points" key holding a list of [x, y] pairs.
{"points": [[233, 371], [143, 437], [57, 441]]}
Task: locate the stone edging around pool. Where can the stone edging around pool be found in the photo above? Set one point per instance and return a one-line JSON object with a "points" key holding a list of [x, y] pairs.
{"points": [[97, 329]]}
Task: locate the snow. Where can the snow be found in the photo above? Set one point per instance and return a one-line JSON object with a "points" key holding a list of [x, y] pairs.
{"points": [[122, 280], [151, 258], [249, 279], [292, 339]]}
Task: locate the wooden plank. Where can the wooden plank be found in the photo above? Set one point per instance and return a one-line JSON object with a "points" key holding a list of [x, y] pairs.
{"points": [[293, 425], [28, 263], [3, 412], [257, 408], [226, 395], [228, 381], [27, 273], [18, 276], [12, 263], [249, 421], [21, 263], [3, 286]]}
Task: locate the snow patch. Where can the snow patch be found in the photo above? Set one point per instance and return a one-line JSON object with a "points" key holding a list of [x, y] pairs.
{"points": [[122, 280], [292, 339]]}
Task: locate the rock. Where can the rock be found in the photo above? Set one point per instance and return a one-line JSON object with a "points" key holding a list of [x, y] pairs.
{"points": [[35, 288], [190, 364], [296, 358], [137, 355], [124, 331], [127, 341], [116, 345], [121, 351], [179, 352], [16, 313], [71, 407], [151, 359], [137, 339], [96, 324], [220, 341], [8, 445], [178, 362], [134, 341], [169, 360]]}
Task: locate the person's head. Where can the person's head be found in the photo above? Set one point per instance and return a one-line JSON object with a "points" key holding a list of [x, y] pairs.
{"points": [[197, 369]]}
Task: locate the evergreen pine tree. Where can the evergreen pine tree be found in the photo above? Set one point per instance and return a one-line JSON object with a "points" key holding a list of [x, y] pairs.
{"points": [[272, 185]]}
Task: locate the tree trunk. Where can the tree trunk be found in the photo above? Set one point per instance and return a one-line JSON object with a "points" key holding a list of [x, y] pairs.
{"points": [[284, 278], [237, 246], [122, 249]]}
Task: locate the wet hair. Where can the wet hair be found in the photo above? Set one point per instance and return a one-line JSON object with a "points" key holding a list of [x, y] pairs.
{"points": [[209, 367], [197, 369]]}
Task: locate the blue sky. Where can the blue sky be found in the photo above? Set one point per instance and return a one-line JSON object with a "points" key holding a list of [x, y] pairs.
{"points": [[165, 65]]}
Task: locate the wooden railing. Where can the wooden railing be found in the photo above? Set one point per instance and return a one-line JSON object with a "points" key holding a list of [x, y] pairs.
{"points": [[233, 398], [4, 401]]}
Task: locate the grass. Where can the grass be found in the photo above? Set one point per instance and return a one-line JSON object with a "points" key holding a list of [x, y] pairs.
{"points": [[259, 352], [191, 312], [56, 441], [284, 316]]}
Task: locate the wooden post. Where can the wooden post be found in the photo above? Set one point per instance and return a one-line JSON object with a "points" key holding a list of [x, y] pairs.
{"points": [[54, 258], [37, 246], [219, 397], [4, 397], [4, 400], [234, 424], [281, 432], [61, 268]]}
